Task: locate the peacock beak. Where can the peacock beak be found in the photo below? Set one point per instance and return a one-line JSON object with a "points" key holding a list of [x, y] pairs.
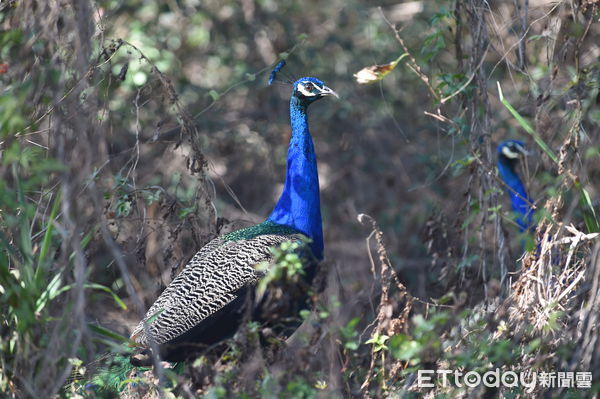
{"points": [[326, 91]]}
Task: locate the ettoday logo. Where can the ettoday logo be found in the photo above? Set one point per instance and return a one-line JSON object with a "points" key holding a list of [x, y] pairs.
{"points": [[528, 380]]}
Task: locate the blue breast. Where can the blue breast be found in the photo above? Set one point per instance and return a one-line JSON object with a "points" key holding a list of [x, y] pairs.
{"points": [[520, 202]]}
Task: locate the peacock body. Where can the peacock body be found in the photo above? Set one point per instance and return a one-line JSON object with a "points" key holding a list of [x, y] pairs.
{"points": [[509, 152], [205, 302]]}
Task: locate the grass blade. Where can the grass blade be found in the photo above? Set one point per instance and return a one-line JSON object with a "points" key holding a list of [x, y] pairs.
{"points": [[101, 287], [525, 125], [589, 214], [108, 333], [46, 241]]}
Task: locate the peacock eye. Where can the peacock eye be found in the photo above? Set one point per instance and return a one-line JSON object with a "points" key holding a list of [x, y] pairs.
{"points": [[309, 87]]}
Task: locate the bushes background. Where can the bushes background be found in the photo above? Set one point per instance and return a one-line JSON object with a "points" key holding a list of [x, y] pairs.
{"points": [[131, 134]]}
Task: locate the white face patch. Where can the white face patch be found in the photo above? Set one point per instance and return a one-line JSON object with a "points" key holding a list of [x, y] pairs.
{"points": [[308, 89], [508, 153]]}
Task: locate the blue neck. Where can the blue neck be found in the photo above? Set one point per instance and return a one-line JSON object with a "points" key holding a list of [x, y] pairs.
{"points": [[520, 202], [299, 206]]}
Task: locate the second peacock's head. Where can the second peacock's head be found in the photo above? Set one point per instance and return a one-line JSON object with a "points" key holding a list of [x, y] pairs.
{"points": [[512, 149], [308, 90]]}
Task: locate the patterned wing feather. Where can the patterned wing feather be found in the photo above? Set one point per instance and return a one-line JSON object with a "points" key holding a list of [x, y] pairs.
{"points": [[170, 290], [206, 284]]}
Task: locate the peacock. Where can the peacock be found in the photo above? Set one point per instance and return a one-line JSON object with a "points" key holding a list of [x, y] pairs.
{"points": [[205, 303], [509, 152]]}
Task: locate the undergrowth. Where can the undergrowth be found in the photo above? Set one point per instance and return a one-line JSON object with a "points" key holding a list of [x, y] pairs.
{"points": [[106, 192]]}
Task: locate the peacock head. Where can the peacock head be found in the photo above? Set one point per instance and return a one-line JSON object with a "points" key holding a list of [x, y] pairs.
{"points": [[511, 150], [308, 90]]}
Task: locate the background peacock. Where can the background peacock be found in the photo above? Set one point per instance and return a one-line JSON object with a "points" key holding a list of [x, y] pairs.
{"points": [[205, 302], [509, 152]]}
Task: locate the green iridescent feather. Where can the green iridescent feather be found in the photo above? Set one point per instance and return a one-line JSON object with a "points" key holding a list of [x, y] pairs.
{"points": [[266, 227]]}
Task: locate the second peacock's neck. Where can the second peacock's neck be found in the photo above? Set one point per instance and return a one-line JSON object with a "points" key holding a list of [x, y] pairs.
{"points": [[299, 206], [520, 202]]}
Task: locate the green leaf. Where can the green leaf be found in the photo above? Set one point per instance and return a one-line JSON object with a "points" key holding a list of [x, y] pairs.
{"points": [[351, 345], [535, 37], [402, 347], [48, 235], [529, 243], [378, 341], [52, 290], [109, 291], [349, 331], [589, 213], [108, 333], [305, 314], [214, 95], [154, 316]]}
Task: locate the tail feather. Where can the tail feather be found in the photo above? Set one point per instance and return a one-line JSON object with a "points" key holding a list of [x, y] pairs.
{"points": [[113, 375], [110, 374]]}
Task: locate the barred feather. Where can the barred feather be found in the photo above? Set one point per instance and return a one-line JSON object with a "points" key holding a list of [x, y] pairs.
{"points": [[211, 280]]}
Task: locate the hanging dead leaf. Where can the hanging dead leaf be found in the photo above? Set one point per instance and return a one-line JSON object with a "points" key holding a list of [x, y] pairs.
{"points": [[375, 73]]}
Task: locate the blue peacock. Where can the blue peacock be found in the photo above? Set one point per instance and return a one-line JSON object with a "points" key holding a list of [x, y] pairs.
{"points": [[204, 304], [509, 152]]}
